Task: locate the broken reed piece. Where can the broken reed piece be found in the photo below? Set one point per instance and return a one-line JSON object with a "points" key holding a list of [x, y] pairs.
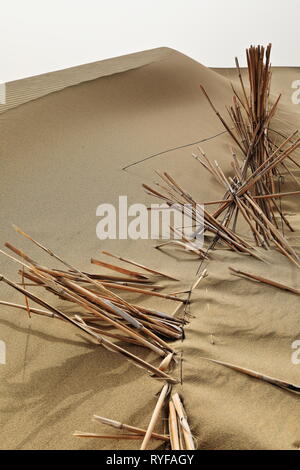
{"points": [[150, 287], [202, 276], [142, 266], [90, 435], [263, 280], [188, 247], [165, 363], [181, 437], [189, 243], [126, 427], [32, 309], [111, 278], [157, 410], [251, 373], [118, 269], [26, 298], [173, 427], [262, 196], [188, 437], [141, 291]]}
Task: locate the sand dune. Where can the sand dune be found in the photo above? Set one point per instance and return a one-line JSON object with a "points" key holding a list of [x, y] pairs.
{"points": [[31, 88], [63, 153]]}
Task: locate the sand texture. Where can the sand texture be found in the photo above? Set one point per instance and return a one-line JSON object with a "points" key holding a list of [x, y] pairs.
{"points": [[62, 155]]}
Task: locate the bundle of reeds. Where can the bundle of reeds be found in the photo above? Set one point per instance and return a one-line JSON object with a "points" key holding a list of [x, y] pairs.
{"points": [[178, 437], [258, 161], [103, 313], [180, 434]]}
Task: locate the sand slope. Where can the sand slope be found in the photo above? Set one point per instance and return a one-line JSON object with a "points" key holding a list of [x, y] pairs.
{"points": [[62, 155]]}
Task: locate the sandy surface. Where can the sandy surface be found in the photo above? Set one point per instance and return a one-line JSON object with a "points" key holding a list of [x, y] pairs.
{"points": [[62, 155]]}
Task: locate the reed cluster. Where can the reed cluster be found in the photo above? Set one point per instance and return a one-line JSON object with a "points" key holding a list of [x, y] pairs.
{"points": [[253, 189]]}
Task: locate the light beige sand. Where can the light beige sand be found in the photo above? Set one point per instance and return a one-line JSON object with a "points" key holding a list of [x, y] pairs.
{"points": [[31, 88], [61, 156]]}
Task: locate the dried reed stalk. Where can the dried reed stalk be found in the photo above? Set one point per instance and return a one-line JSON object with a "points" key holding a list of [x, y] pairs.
{"points": [[203, 275], [263, 280], [166, 362], [188, 437], [142, 266], [118, 269], [128, 437], [173, 427], [32, 309], [155, 415], [126, 427], [277, 382]]}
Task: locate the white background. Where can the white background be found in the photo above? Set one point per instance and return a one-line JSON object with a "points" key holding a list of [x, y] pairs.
{"points": [[38, 36]]}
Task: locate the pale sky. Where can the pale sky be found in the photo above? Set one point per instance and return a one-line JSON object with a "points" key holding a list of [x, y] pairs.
{"points": [[42, 36]]}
